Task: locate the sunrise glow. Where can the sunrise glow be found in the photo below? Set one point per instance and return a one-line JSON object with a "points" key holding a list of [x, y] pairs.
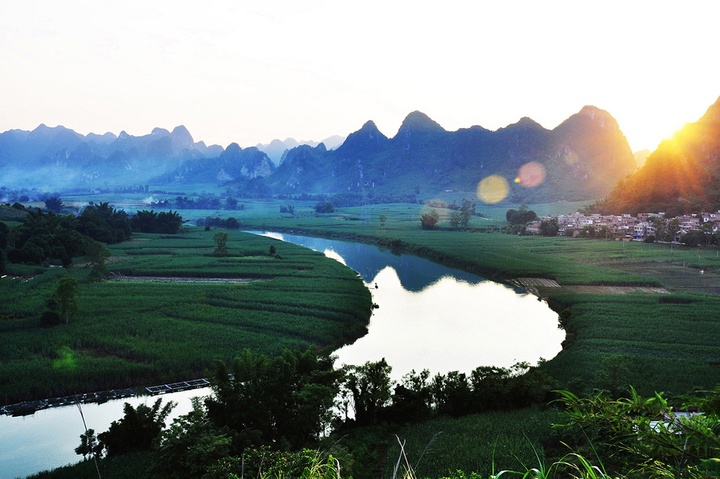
{"points": [[253, 72]]}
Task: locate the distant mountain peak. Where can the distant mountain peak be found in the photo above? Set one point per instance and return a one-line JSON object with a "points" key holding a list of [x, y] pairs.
{"points": [[527, 122], [368, 137], [182, 137], [369, 126], [597, 114], [159, 132], [417, 121], [180, 130]]}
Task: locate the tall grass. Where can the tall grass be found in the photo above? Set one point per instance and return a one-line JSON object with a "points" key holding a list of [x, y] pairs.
{"points": [[129, 334]]}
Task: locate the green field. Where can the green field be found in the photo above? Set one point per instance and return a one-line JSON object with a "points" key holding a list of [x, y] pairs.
{"points": [[660, 339], [141, 332], [617, 333], [663, 342]]}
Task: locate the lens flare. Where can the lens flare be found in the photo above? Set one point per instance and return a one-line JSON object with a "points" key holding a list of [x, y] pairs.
{"points": [[571, 157], [493, 189], [531, 174]]}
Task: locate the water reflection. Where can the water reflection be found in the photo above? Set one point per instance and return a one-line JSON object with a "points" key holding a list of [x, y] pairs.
{"points": [[438, 318], [454, 326], [48, 438], [415, 273]]}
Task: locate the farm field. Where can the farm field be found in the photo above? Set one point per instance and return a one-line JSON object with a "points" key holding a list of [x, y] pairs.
{"points": [[141, 332], [660, 336]]}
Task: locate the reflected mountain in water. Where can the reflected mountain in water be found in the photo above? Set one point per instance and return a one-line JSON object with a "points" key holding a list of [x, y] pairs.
{"points": [[415, 273]]}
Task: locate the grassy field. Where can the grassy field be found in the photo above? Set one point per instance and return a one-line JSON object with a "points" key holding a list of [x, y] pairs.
{"points": [[136, 333], [653, 341], [662, 339]]}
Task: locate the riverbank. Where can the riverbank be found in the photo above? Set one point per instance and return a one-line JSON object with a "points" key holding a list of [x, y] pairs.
{"points": [[626, 323]]}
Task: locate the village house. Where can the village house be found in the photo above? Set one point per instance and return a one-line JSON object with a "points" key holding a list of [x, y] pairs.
{"points": [[626, 226]]}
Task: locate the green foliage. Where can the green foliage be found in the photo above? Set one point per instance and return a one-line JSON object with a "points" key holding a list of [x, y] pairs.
{"points": [[54, 204], [221, 239], [102, 222], [549, 227], [136, 466], [370, 387], [324, 206], [66, 296], [284, 402], [640, 436], [520, 216], [97, 255], [140, 331], [190, 445], [136, 430], [90, 445], [165, 222], [428, 221]]}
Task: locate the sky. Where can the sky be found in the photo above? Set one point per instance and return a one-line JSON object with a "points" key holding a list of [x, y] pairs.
{"points": [[252, 71]]}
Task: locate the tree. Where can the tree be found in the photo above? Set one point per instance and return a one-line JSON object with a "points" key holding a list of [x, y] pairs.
{"points": [[97, 255], [90, 445], [190, 445], [324, 206], [455, 219], [520, 216], [370, 387], [429, 221], [137, 429], [221, 239], [284, 402], [54, 204], [66, 295], [549, 227], [671, 229], [169, 222], [103, 223]]}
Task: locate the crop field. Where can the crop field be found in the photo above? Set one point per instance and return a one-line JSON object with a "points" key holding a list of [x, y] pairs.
{"points": [[137, 332], [140, 332], [650, 340]]}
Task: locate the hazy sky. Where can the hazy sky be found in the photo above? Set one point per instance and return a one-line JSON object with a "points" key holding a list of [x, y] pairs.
{"points": [[250, 71]]}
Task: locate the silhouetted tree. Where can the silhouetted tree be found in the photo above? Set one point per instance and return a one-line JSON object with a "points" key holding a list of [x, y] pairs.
{"points": [[324, 206], [54, 204], [283, 402], [549, 227], [66, 295], [370, 387], [137, 429], [97, 255]]}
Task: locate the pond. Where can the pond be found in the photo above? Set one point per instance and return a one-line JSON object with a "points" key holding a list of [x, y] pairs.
{"points": [[429, 317]]}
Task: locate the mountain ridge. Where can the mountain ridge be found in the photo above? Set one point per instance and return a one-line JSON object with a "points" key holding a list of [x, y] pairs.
{"points": [[422, 158]]}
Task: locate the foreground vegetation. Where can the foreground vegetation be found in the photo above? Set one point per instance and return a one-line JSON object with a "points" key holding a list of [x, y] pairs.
{"points": [[250, 426]]}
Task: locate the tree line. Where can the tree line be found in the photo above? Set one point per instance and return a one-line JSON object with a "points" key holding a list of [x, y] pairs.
{"points": [[289, 402], [47, 236], [267, 412]]}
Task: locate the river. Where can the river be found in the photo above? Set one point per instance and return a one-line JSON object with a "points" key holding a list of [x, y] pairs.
{"points": [[429, 317]]}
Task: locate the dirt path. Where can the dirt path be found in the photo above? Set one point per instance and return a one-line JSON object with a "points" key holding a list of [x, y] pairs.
{"points": [[178, 279], [541, 287]]}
